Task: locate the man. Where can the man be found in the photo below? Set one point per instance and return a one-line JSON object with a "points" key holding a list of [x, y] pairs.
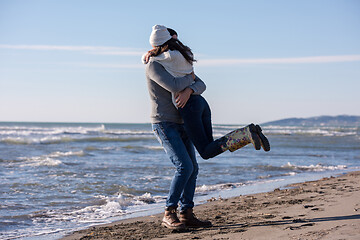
{"points": [[168, 127]]}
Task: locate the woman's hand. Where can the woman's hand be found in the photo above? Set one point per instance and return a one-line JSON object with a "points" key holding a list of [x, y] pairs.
{"points": [[182, 97], [148, 55], [193, 75]]}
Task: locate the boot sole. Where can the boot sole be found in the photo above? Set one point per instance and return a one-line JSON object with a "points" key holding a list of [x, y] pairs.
{"points": [[172, 227], [255, 137], [264, 141]]}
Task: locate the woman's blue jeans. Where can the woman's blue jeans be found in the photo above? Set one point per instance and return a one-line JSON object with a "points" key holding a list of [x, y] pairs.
{"points": [[197, 122], [181, 152]]}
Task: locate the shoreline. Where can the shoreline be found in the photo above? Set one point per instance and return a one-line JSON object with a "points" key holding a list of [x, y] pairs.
{"points": [[307, 210]]}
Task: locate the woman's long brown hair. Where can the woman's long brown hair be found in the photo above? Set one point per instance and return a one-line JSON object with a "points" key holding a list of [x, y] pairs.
{"points": [[174, 44]]}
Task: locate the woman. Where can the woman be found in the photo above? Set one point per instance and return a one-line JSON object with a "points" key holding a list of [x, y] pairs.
{"points": [[195, 111]]}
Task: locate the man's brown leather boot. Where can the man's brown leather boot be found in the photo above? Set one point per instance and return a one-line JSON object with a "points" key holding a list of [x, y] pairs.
{"points": [[188, 218], [171, 220]]}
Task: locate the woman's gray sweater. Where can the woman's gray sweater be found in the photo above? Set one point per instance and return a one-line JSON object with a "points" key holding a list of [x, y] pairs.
{"points": [[160, 85]]}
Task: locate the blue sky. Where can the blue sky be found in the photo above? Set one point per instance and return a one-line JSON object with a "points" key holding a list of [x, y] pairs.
{"points": [[79, 61]]}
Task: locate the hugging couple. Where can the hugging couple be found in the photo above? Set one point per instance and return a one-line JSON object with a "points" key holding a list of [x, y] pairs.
{"points": [[181, 119]]}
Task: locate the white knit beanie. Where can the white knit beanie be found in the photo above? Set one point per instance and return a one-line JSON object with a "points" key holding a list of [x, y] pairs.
{"points": [[159, 35]]}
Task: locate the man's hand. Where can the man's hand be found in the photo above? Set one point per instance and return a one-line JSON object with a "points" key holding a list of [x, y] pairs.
{"points": [[182, 97]]}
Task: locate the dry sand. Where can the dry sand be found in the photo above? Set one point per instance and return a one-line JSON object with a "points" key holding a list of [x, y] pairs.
{"points": [[325, 209]]}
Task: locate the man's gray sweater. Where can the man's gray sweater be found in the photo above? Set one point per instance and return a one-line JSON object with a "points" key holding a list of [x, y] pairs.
{"points": [[160, 85]]}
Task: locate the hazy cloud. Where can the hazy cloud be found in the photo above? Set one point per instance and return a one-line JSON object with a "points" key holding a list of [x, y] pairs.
{"points": [[87, 49], [101, 50], [314, 59], [110, 65]]}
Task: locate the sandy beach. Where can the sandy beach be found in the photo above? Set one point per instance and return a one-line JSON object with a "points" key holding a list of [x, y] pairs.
{"points": [[325, 209]]}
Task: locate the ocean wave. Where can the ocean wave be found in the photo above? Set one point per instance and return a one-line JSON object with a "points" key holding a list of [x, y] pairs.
{"points": [[128, 132], [24, 135], [275, 172], [300, 168], [100, 210], [28, 130], [217, 187], [206, 189], [315, 168], [94, 148], [312, 131], [58, 140], [32, 130], [276, 175], [47, 160], [220, 130], [141, 149], [41, 161]]}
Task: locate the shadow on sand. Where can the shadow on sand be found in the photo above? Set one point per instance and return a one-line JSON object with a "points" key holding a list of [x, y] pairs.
{"points": [[306, 223]]}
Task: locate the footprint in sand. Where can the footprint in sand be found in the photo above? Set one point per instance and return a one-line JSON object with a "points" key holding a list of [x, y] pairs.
{"points": [[301, 226], [309, 206]]}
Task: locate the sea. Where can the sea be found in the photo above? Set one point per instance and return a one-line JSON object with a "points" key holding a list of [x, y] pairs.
{"points": [[56, 178]]}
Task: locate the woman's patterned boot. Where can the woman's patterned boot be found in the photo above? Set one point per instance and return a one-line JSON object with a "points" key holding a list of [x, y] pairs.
{"points": [[263, 140], [240, 138]]}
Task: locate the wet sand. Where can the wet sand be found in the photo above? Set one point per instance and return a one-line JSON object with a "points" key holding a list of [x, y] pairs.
{"points": [[325, 209]]}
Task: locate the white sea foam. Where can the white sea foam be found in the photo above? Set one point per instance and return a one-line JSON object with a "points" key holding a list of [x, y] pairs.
{"points": [[207, 189], [71, 153], [127, 132], [76, 138], [49, 159], [94, 148], [58, 134], [156, 148], [35, 139], [204, 189], [314, 131], [220, 130], [29, 130], [217, 187], [316, 168], [111, 208], [103, 209], [41, 161]]}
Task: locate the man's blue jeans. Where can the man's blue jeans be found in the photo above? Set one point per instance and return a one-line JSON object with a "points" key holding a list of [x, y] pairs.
{"points": [[181, 152]]}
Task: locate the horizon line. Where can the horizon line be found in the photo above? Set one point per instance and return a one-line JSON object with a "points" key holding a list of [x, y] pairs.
{"points": [[97, 122]]}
